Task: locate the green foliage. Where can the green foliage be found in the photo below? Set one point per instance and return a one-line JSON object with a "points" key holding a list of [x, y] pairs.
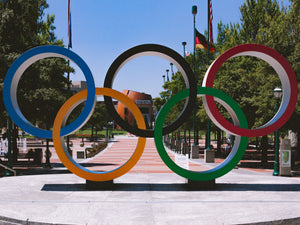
{"points": [[177, 84], [158, 102], [98, 118], [91, 152], [43, 86], [256, 16], [248, 80], [228, 36]]}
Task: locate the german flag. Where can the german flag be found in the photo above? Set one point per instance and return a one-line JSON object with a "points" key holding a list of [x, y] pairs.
{"points": [[202, 43]]}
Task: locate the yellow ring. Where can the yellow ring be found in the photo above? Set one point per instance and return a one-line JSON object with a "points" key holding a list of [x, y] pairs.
{"points": [[73, 166]]}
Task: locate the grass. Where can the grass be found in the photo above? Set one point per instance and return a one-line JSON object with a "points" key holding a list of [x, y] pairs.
{"points": [[102, 132], [89, 132]]}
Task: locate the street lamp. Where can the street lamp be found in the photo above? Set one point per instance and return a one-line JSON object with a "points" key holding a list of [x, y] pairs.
{"points": [[167, 74], [194, 12], [277, 94], [171, 64], [164, 77], [183, 44]]}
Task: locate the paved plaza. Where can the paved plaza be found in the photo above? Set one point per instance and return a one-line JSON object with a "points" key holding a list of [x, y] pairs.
{"points": [[149, 194]]}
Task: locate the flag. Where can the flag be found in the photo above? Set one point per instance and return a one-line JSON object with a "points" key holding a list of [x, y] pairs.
{"points": [[201, 42], [187, 53], [210, 29], [69, 25]]}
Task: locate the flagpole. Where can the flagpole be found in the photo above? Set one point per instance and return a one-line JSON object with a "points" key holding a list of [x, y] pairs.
{"points": [[208, 121], [68, 75], [184, 44], [194, 11]]}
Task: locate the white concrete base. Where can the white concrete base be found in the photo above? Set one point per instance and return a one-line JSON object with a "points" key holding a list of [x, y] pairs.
{"points": [[178, 145], [185, 148], [195, 152], [209, 156], [151, 198], [285, 157], [80, 154]]}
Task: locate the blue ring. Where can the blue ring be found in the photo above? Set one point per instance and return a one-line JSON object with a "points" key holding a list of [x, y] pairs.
{"points": [[16, 114]]}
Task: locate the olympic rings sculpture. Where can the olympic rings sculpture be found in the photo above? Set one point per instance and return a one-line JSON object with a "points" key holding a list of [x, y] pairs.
{"points": [[239, 128]]}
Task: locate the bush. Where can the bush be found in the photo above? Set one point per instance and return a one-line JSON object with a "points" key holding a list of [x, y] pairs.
{"points": [[86, 136], [90, 152]]}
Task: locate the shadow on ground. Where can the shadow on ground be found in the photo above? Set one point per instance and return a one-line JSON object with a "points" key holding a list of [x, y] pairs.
{"points": [[175, 187], [257, 165], [56, 168], [294, 221]]}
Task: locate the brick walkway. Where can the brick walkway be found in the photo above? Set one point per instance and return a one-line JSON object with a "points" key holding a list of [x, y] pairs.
{"points": [[120, 151], [123, 148]]}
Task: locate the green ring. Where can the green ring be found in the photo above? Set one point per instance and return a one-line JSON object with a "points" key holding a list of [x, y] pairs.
{"points": [[224, 167]]}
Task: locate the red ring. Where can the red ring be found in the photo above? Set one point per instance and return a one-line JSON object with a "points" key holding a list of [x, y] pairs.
{"points": [[208, 82]]}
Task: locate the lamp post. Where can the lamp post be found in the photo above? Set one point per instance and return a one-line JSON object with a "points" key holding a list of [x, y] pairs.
{"points": [[277, 94], [164, 78], [171, 64], [47, 152], [183, 44], [167, 75], [208, 122], [106, 118], [194, 12], [9, 126], [68, 138]]}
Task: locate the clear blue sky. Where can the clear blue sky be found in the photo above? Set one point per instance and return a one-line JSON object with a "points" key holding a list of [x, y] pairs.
{"points": [[102, 30]]}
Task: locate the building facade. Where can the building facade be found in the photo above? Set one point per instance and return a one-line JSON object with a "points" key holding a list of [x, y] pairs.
{"points": [[145, 104]]}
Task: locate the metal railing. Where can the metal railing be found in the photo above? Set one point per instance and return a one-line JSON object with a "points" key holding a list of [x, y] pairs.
{"points": [[6, 167]]}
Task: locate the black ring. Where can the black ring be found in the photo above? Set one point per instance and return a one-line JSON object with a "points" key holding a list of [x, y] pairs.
{"points": [[168, 54]]}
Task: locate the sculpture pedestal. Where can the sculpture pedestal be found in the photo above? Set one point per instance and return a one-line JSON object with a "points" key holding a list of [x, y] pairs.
{"points": [[209, 156], [201, 185], [185, 148], [195, 152], [99, 185]]}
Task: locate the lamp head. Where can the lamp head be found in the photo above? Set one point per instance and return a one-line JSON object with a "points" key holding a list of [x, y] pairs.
{"points": [[277, 93], [194, 10]]}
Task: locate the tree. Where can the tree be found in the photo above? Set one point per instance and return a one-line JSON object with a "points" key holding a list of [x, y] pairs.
{"points": [[256, 16], [291, 45], [262, 22], [177, 84], [98, 119], [158, 102], [248, 80], [292, 48], [42, 88]]}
